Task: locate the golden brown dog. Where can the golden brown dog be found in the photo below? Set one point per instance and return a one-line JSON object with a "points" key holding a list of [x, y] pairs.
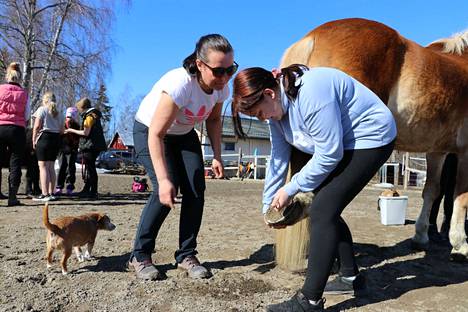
{"points": [[67, 233], [390, 193]]}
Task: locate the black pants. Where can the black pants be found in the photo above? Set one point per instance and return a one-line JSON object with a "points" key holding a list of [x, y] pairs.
{"points": [[448, 179], [329, 234], [32, 167], [185, 165], [32, 174], [13, 138], [67, 172], [90, 176]]}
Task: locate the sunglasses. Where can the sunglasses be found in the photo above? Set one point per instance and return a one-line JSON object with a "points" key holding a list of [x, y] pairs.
{"points": [[219, 72]]}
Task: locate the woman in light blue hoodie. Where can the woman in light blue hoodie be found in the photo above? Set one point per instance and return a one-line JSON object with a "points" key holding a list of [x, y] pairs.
{"points": [[348, 131]]}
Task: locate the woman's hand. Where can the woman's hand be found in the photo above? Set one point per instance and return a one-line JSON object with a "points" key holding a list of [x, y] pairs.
{"points": [[281, 199], [218, 168], [167, 193]]}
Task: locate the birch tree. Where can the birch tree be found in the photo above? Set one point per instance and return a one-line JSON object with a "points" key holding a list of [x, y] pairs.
{"points": [[64, 45]]}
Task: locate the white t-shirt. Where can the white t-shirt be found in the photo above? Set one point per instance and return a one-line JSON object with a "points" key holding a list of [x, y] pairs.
{"points": [[49, 122], [194, 104]]}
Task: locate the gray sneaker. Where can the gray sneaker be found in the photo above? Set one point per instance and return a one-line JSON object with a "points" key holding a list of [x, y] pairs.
{"points": [[194, 269], [144, 270]]}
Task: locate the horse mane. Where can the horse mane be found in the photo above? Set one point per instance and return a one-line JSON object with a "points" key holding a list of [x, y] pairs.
{"points": [[457, 44]]}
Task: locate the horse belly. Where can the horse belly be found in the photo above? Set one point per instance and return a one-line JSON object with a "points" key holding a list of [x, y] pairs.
{"points": [[420, 130]]}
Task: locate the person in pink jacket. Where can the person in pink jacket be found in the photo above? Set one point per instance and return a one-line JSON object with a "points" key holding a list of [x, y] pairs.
{"points": [[14, 112]]}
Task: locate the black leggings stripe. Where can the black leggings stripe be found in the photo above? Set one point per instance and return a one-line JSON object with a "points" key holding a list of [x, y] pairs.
{"points": [[329, 234]]}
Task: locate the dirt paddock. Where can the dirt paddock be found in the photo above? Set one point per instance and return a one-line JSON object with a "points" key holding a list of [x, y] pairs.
{"points": [[233, 243]]}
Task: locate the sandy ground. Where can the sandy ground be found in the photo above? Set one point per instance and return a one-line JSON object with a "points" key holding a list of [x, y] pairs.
{"points": [[233, 243]]}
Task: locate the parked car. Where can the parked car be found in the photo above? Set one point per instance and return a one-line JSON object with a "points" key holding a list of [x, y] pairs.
{"points": [[114, 159]]}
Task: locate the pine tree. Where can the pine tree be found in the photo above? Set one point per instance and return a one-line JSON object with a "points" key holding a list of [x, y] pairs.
{"points": [[102, 104]]}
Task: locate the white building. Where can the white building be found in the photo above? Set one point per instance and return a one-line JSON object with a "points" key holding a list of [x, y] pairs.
{"points": [[257, 142]]}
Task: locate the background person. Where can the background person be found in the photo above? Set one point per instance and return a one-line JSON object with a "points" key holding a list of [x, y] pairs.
{"points": [[350, 133], [68, 153], [48, 125], [91, 143], [14, 112], [170, 150], [32, 187]]}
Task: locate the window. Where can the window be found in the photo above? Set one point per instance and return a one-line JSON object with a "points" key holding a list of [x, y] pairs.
{"points": [[229, 146]]}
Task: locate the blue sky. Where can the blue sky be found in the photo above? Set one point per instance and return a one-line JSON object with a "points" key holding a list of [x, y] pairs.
{"points": [[154, 36]]}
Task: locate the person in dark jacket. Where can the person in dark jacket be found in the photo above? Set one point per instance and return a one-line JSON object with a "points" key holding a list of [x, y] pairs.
{"points": [[14, 112], [32, 168], [68, 154], [92, 142]]}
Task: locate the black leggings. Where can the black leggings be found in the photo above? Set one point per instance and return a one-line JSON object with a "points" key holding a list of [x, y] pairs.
{"points": [[67, 171], [90, 174], [13, 138], [329, 234]]}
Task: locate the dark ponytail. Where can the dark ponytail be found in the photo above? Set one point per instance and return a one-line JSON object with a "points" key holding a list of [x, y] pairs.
{"points": [[190, 65], [213, 42], [237, 123], [290, 75]]}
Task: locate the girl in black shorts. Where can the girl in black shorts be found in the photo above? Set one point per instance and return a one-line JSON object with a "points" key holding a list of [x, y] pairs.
{"points": [[48, 126]]}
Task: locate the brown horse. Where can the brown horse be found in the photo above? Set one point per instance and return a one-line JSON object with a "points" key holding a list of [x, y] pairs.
{"points": [[426, 88]]}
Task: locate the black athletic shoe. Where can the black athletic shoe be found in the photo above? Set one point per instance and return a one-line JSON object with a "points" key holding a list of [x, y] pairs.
{"points": [[342, 286], [298, 303], [2, 196]]}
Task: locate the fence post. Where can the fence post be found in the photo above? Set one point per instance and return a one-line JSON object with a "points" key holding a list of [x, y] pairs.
{"points": [[239, 159], [406, 175], [255, 167]]}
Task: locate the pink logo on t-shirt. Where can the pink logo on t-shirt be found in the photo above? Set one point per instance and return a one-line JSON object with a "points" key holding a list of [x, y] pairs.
{"points": [[191, 118]]}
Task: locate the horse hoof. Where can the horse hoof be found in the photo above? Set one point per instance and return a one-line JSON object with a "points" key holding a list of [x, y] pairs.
{"points": [[291, 214], [457, 257], [419, 246]]}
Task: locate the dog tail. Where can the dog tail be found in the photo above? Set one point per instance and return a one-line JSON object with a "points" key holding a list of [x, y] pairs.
{"points": [[45, 219]]}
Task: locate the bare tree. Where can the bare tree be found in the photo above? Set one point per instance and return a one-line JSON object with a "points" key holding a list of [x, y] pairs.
{"points": [[127, 105], [64, 45]]}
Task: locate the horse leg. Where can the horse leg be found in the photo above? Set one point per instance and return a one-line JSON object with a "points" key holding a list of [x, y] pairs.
{"points": [[420, 240], [457, 234]]}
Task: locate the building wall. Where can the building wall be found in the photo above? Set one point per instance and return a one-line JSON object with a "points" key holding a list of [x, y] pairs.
{"points": [[232, 145], [248, 149]]}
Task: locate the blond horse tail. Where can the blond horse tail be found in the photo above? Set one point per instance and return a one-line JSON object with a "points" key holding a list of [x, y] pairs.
{"points": [[299, 52]]}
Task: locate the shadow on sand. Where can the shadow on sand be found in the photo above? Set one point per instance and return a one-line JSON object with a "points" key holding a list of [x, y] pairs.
{"points": [[263, 256], [115, 199], [390, 280]]}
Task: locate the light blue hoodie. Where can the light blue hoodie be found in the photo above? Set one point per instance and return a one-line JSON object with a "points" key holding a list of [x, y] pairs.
{"points": [[333, 112]]}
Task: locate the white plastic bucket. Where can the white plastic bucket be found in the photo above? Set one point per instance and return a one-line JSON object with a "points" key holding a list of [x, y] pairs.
{"points": [[393, 210]]}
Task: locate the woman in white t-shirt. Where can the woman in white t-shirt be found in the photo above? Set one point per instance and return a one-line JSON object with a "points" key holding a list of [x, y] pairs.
{"points": [[167, 145], [48, 125]]}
